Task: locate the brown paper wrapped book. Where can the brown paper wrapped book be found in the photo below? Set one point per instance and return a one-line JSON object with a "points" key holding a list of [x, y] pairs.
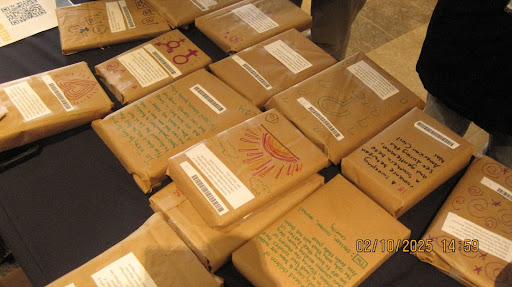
{"points": [[249, 22], [153, 255], [267, 68], [180, 13], [212, 246], [144, 134], [406, 161], [148, 67], [319, 242], [344, 106], [472, 233], [101, 23], [48, 103], [236, 172]]}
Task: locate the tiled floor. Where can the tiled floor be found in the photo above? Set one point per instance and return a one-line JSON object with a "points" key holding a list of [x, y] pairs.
{"points": [[391, 33]]}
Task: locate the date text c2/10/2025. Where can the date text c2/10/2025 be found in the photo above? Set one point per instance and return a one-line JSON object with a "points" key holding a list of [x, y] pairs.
{"points": [[394, 245]]}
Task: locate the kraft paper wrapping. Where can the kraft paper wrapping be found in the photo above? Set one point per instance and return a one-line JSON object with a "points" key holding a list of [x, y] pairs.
{"points": [[236, 172], [180, 13], [145, 72], [34, 110], [153, 255], [102, 23], [144, 134], [212, 246], [314, 244], [258, 21], [479, 209], [349, 103], [406, 161], [272, 73]]}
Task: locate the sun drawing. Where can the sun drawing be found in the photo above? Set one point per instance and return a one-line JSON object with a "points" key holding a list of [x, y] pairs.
{"points": [[266, 155]]}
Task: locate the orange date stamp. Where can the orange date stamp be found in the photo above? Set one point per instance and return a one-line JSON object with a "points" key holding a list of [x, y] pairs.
{"points": [[394, 245]]}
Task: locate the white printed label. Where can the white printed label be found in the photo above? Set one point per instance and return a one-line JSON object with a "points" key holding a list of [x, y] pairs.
{"points": [[204, 187], [288, 57], [488, 241], [70, 285], [204, 5], [253, 16], [175, 72], [143, 67], [26, 101], [126, 271], [233, 190], [57, 92], [252, 72], [320, 116], [207, 98], [437, 135], [115, 17], [127, 14], [496, 187], [375, 81]]}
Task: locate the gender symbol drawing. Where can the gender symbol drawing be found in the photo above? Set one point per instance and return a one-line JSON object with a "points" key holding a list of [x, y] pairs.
{"points": [[183, 59], [171, 45]]}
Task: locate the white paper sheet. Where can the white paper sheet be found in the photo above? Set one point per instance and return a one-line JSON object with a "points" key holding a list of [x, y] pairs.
{"points": [[20, 19]]}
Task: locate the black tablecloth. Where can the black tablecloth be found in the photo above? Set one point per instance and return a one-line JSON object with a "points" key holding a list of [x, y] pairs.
{"points": [[72, 200]]}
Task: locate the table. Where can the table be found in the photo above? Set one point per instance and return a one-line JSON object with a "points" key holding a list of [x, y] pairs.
{"points": [[72, 199]]}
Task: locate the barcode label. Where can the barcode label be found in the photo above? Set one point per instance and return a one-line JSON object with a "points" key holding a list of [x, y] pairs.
{"points": [[496, 187], [215, 203], [319, 116], [127, 14], [204, 5], [57, 92], [505, 193], [204, 188], [436, 134], [170, 68], [252, 72], [207, 98], [199, 5], [175, 72]]}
